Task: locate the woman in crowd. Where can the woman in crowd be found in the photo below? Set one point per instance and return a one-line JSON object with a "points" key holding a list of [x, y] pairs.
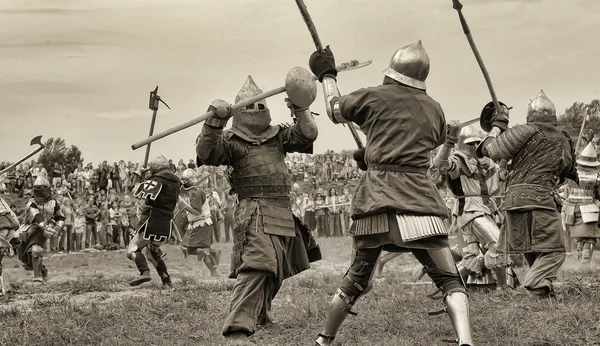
{"points": [[334, 218], [321, 216], [308, 204]]}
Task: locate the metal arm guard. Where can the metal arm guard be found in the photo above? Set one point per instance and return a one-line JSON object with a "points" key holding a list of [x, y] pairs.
{"points": [[332, 98], [441, 165], [505, 146]]}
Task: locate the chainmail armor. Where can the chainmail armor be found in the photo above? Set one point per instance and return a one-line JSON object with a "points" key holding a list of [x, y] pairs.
{"points": [[510, 142]]}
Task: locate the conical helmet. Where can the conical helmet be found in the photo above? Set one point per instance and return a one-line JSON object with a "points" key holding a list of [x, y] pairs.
{"points": [[249, 90], [410, 66], [541, 109], [588, 157], [254, 119], [41, 181]]}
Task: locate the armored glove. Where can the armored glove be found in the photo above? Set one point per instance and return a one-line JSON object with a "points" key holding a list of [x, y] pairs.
{"points": [[322, 64], [222, 113], [500, 119], [452, 132], [359, 157]]}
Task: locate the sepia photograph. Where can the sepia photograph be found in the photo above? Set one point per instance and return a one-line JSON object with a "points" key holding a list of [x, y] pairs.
{"points": [[299, 172]]}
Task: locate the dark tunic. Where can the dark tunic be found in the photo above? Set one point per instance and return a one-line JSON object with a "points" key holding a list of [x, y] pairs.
{"points": [[266, 236], [542, 160], [161, 193], [402, 126]]}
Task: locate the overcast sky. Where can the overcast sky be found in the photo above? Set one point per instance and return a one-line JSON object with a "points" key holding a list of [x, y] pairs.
{"points": [[82, 70]]}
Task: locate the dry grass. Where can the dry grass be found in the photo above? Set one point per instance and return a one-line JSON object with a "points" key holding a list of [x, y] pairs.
{"points": [[88, 302]]}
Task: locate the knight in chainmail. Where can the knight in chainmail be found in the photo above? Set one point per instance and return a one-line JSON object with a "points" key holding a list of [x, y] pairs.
{"points": [[542, 158], [581, 208], [270, 243]]}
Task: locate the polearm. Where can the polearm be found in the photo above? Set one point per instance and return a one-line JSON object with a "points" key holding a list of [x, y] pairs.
{"points": [[315, 36], [349, 66], [458, 7], [153, 105], [580, 134]]}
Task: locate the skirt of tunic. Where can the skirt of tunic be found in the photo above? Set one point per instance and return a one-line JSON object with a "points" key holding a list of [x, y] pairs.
{"points": [[392, 241], [198, 237]]}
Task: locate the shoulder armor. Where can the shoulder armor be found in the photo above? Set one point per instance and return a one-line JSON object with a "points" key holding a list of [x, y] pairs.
{"points": [[510, 142], [148, 189]]}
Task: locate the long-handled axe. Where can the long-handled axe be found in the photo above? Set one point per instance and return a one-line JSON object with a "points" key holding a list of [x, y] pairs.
{"points": [[290, 82], [153, 105], [458, 7], [315, 36], [37, 140]]}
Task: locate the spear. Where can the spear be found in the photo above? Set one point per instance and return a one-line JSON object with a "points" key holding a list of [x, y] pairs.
{"points": [[458, 7]]}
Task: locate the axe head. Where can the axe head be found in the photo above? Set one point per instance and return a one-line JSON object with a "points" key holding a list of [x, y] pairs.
{"points": [[152, 103], [37, 140], [457, 5]]}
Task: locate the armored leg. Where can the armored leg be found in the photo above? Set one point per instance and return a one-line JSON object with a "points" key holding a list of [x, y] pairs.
{"points": [[185, 252], [135, 254], [156, 258], [37, 255], [443, 272], [587, 249], [356, 282]]}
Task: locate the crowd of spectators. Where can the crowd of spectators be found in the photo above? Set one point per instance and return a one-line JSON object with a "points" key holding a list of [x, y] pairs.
{"points": [[101, 212]]}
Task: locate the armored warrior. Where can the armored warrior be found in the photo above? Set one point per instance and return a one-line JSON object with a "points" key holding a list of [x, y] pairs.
{"points": [[199, 235], [396, 207], [542, 157], [270, 243], [43, 219], [474, 181], [160, 193], [581, 207], [9, 223]]}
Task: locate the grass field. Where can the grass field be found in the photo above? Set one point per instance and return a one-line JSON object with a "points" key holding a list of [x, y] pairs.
{"points": [[88, 302]]}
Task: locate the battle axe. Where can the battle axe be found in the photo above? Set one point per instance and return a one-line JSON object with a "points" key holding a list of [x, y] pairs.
{"points": [[153, 105], [315, 36], [37, 140]]}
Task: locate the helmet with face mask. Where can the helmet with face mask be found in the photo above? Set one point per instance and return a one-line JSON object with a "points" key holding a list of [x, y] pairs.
{"points": [[41, 189], [158, 163], [471, 144], [253, 121]]}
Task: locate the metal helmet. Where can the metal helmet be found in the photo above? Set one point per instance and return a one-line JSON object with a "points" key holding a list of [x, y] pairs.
{"points": [[541, 109], [470, 140], [41, 181], [588, 157], [188, 176], [254, 119], [410, 66], [41, 189]]}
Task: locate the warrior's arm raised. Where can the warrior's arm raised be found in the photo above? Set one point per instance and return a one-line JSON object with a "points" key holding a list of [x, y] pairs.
{"points": [[211, 147], [443, 163], [332, 100], [505, 145], [307, 124]]}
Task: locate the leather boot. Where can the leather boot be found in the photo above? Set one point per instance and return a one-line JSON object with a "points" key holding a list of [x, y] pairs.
{"points": [[142, 266]]}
